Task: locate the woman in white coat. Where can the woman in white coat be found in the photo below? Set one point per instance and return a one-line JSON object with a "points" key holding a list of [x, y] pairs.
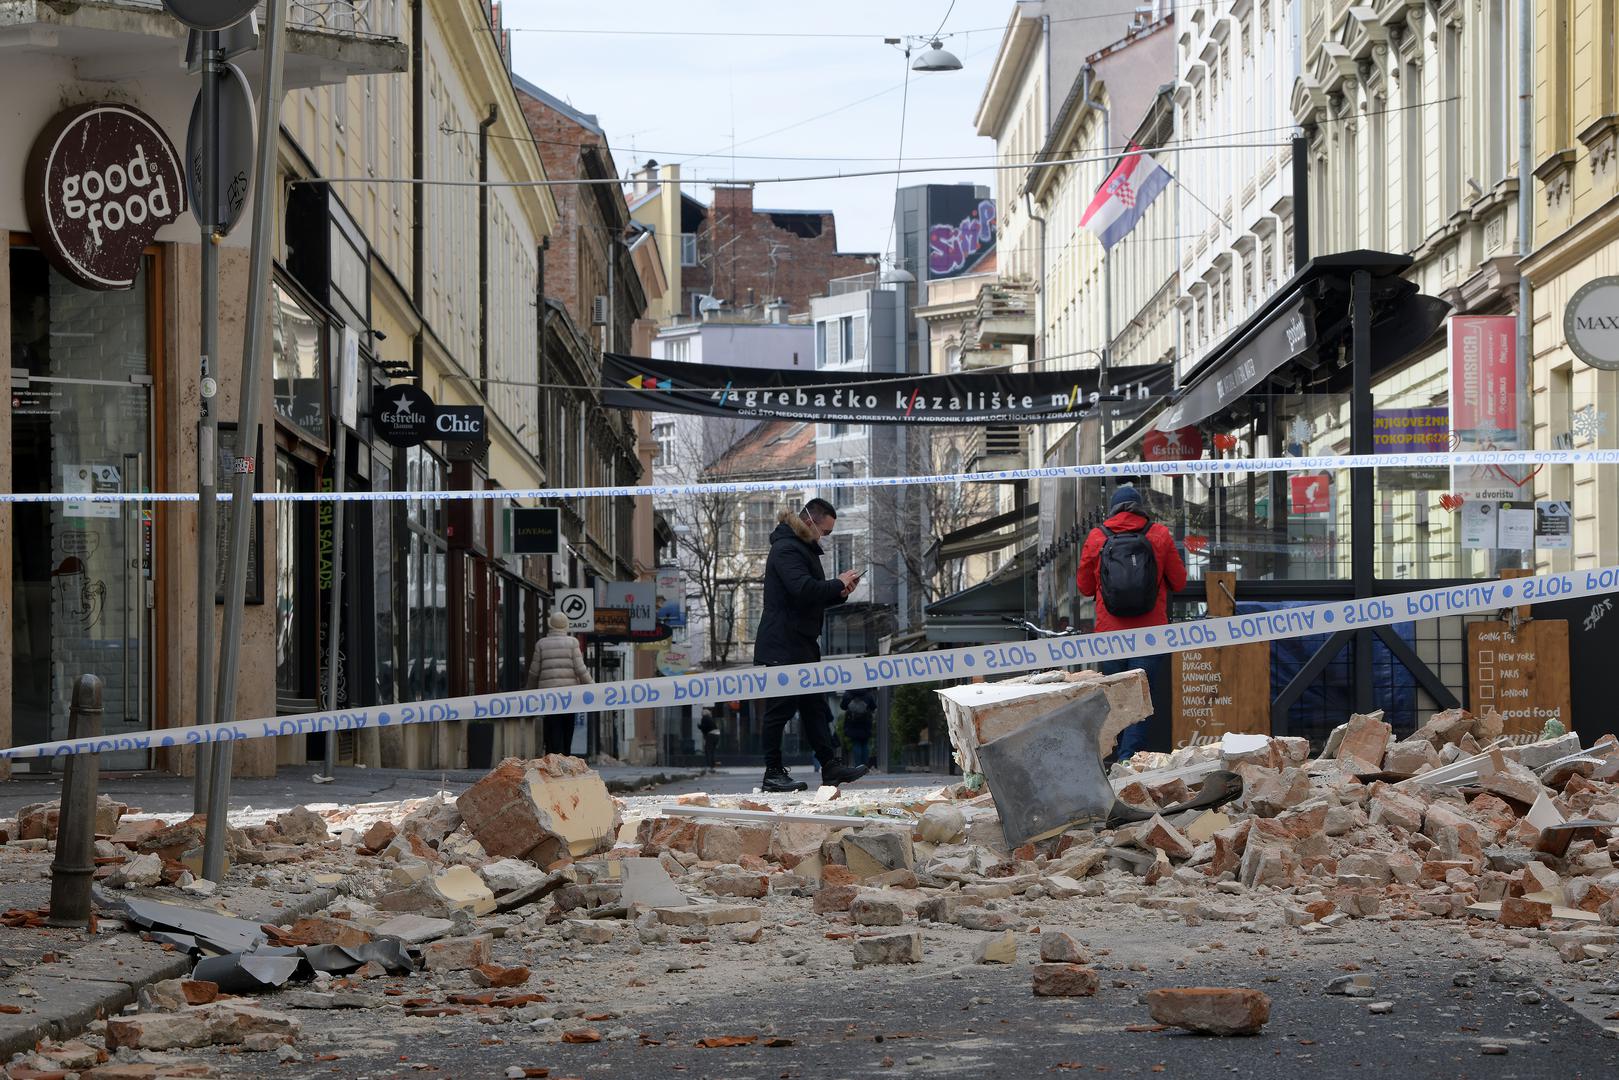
{"points": [[557, 661]]}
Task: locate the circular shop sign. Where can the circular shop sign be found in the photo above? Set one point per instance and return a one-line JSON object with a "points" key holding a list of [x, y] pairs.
{"points": [[1591, 323], [209, 14], [403, 415], [101, 180]]}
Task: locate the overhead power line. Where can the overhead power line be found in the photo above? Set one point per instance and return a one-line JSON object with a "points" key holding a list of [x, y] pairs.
{"points": [[853, 175]]}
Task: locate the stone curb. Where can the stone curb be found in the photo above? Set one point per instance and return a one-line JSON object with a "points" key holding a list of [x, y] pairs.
{"points": [[71, 1003]]}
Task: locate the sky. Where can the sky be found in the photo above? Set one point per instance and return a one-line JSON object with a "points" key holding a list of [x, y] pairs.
{"points": [[699, 99]]}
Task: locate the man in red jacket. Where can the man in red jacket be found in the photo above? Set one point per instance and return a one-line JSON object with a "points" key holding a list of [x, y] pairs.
{"points": [[1130, 580]]}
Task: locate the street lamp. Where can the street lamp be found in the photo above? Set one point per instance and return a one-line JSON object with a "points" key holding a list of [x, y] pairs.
{"points": [[937, 58]]}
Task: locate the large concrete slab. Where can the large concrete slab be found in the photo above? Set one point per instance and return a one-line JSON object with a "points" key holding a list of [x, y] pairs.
{"points": [[980, 713], [1047, 775]]}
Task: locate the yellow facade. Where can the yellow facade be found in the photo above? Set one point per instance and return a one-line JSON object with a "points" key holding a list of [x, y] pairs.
{"points": [[1576, 239]]}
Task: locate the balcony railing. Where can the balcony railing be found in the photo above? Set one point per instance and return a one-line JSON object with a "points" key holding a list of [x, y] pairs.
{"points": [[996, 446], [1005, 316]]}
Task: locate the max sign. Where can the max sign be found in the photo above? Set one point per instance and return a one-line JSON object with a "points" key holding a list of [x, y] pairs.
{"points": [[101, 180]]}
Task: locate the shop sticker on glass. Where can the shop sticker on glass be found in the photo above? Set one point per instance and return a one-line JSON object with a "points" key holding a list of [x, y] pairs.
{"points": [[1554, 520], [91, 480], [1515, 526], [1587, 424], [1478, 525]]}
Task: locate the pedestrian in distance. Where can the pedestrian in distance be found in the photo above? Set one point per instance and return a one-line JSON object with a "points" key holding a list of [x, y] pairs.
{"points": [[797, 593], [1130, 565], [710, 731], [859, 709], [557, 662]]}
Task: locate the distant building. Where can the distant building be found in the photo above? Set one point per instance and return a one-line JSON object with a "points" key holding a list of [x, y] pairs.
{"points": [[735, 253]]}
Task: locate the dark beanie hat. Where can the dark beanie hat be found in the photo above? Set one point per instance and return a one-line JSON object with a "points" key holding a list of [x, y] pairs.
{"points": [[1123, 497]]}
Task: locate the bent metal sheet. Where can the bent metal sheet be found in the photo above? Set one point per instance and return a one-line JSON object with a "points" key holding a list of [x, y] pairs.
{"points": [[875, 397]]}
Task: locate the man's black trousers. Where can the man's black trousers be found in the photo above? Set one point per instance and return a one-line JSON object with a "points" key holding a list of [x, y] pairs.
{"points": [[817, 720]]}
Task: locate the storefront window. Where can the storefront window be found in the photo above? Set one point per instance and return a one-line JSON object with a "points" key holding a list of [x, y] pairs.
{"points": [[1419, 537], [382, 594], [426, 582], [82, 573], [294, 651], [296, 351]]}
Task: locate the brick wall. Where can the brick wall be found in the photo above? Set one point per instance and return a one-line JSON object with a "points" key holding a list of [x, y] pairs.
{"points": [[749, 256]]}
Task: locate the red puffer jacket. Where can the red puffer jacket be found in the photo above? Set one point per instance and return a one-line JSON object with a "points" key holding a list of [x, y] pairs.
{"points": [[1171, 571]]}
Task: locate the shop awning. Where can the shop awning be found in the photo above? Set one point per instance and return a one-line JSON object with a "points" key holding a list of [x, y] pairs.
{"points": [[977, 615], [1301, 327], [992, 534]]}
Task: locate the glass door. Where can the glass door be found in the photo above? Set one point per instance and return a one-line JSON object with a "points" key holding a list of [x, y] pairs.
{"points": [[82, 572]]}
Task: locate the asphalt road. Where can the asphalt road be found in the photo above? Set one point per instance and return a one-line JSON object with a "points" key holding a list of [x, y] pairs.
{"points": [[982, 1021]]}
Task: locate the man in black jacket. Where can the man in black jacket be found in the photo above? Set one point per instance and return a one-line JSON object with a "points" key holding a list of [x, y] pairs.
{"points": [[797, 594]]}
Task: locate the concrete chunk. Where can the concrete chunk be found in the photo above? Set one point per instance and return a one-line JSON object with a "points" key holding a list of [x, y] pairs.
{"points": [[889, 949], [708, 914], [1065, 980], [526, 810], [1210, 1010], [980, 713], [870, 852], [457, 954], [219, 1024], [997, 949]]}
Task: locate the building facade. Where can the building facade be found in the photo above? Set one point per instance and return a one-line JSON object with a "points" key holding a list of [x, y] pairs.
{"points": [[1576, 242], [1412, 121], [1235, 66], [103, 380]]}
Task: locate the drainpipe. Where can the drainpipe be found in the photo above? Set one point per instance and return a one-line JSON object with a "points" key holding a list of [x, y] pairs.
{"points": [[542, 418], [418, 202], [1107, 263], [1526, 221], [483, 249], [1045, 41]]}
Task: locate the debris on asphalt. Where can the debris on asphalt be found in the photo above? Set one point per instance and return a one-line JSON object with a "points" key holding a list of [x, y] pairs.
{"points": [[481, 907]]}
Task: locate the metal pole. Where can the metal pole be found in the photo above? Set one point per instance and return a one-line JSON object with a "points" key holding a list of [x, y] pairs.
{"points": [[75, 864], [334, 625], [247, 427], [1526, 240], [1301, 201], [1361, 495], [208, 427]]}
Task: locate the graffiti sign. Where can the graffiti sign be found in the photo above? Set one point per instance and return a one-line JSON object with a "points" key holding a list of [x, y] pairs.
{"points": [[960, 245]]}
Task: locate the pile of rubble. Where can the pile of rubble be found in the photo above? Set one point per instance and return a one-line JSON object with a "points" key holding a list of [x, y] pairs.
{"points": [[466, 907]]}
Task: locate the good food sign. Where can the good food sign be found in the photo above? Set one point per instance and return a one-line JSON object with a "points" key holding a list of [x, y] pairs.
{"points": [[101, 180]]}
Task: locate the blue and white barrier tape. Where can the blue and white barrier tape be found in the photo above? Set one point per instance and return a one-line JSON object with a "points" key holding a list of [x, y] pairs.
{"points": [[1478, 459], [707, 688]]}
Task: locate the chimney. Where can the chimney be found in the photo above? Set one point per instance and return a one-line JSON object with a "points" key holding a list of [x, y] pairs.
{"points": [[776, 311], [733, 199]]}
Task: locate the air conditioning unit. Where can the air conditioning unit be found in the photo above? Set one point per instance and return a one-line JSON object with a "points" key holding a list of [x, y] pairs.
{"points": [[598, 311]]}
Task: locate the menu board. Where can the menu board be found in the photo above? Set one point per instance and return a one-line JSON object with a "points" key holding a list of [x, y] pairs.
{"points": [[1522, 675], [1219, 690]]}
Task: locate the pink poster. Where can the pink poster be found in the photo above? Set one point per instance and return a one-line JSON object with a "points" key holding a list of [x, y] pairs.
{"points": [[1484, 379]]}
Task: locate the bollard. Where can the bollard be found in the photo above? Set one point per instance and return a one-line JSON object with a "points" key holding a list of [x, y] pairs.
{"points": [[75, 864]]}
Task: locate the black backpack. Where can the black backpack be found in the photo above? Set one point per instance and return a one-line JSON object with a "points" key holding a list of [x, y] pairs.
{"points": [[1128, 572]]}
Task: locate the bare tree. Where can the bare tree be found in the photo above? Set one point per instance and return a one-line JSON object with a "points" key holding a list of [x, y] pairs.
{"points": [[910, 521], [707, 529]]}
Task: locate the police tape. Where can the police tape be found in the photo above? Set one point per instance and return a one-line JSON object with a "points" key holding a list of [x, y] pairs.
{"points": [[831, 676], [1489, 465]]}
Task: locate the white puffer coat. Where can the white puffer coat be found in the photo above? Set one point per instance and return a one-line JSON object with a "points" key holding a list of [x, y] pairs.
{"points": [[557, 662]]}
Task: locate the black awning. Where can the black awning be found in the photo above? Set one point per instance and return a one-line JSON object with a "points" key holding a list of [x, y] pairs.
{"points": [[1306, 321], [977, 615], [986, 535], [1288, 332]]}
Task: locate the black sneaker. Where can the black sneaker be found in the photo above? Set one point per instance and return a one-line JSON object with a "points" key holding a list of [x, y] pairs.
{"points": [[778, 780], [835, 773]]}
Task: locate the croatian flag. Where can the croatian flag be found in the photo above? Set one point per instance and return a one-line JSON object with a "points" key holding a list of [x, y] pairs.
{"points": [[1124, 196]]}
